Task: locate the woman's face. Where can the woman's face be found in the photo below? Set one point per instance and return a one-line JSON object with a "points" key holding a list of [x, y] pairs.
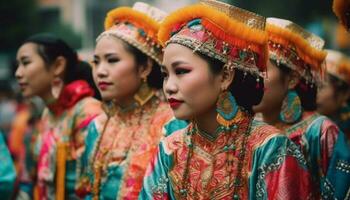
{"points": [[189, 85], [115, 71], [276, 87], [327, 101], [32, 74]]}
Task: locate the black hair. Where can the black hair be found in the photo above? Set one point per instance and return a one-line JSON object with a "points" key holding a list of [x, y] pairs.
{"points": [[244, 87], [50, 47], [154, 79], [306, 91]]}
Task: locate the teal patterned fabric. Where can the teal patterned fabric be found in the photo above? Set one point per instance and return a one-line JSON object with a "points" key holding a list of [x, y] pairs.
{"points": [[7, 171]]}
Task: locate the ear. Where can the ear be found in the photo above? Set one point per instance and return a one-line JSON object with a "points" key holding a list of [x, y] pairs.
{"points": [[293, 80], [145, 70], [227, 78], [59, 66]]}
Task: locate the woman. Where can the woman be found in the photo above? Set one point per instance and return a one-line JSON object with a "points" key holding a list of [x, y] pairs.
{"points": [[47, 67], [212, 59], [289, 103], [333, 100], [126, 70]]}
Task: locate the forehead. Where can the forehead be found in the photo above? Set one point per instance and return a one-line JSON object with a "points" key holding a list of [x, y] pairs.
{"points": [[176, 52], [28, 49], [109, 44]]}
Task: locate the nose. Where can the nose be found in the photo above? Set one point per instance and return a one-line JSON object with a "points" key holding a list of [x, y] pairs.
{"points": [[19, 72], [101, 70], [170, 85]]}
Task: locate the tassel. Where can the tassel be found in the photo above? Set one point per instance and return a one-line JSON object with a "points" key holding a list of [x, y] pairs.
{"points": [[61, 170], [97, 181], [36, 193]]}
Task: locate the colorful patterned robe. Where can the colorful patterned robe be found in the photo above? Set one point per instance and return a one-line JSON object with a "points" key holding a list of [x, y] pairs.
{"points": [[131, 141], [338, 174], [64, 123], [326, 151], [273, 167], [7, 171]]}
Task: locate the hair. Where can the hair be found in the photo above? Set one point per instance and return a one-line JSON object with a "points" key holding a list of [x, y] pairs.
{"points": [[306, 91], [154, 79], [50, 47], [244, 87]]}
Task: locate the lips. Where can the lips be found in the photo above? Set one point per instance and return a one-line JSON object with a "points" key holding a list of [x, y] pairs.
{"points": [[22, 85], [103, 85], [174, 103]]}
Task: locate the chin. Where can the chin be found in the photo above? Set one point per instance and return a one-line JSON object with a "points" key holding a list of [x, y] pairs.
{"points": [[182, 115], [107, 97], [27, 94]]}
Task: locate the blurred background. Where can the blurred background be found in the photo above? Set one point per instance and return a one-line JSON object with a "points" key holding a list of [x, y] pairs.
{"points": [[79, 22]]}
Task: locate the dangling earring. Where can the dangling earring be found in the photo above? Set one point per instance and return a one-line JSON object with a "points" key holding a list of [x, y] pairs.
{"points": [[227, 109], [144, 94], [56, 87], [291, 110]]}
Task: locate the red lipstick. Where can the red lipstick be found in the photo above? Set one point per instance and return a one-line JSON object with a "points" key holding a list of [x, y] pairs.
{"points": [[174, 103], [103, 85]]}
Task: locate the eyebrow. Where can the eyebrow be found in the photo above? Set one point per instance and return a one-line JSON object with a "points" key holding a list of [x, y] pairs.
{"points": [[23, 57], [106, 55], [177, 63]]}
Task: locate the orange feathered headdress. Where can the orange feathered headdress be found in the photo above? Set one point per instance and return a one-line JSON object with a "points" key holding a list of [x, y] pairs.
{"points": [[138, 26], [221, 31], [341, 9], [338, 64], [296, 48]]}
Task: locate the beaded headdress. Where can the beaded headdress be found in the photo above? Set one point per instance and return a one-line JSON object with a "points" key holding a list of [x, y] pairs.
{"points": [[297, 49], [341, 9], [338, 65], [137, 26], [224, 32]]}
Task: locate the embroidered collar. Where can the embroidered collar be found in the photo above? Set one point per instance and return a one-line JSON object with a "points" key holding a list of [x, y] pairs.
{"points": [[70, 95]]}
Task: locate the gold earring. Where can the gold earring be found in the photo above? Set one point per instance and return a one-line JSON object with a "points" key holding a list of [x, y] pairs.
{"points": [[144, 94]]}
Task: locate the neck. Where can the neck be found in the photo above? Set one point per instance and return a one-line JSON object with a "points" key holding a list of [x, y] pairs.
{"points": [[271, 116], [48, 98], [125, 103], [207, 121]]}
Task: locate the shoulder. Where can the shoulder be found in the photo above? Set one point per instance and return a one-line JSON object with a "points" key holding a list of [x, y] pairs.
{"points": [[262, 133], [87, 107], [162, 114], [90, 103], [174, 141]]}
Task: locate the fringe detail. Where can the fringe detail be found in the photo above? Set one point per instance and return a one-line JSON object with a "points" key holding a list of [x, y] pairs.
{"points": [[286, 38], [149, 25], [232, 27], [222, 26], [61, 171], [218, 32]]}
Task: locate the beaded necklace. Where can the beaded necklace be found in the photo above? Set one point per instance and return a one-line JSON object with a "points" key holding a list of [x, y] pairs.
{"points": [[229, 148]]}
